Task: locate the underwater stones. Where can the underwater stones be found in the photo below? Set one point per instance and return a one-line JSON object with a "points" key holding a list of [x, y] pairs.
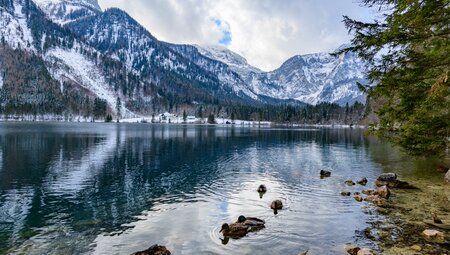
{"points": [[433, 236], [325, 173], [352, 249], [415, 247], [363, 181], [376, 200], [358, 198], [345, 194], [383, 192], [349, 182], [365, 251], [154, 250]]}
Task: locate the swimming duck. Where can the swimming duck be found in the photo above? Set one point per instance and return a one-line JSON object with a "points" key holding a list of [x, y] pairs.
{"points": [[276, 204], [252, 222], [262, 188], [234, 230], [242, 226]]}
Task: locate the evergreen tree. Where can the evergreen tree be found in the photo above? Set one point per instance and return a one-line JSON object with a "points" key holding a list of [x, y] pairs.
{"points": [[119, 108], [211, 119], [184, 116], [408, 52]]}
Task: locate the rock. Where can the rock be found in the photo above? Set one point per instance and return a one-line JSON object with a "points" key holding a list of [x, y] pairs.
{"points": [[376, 200], [325, 173], [345, 194], [357, 193], [416, 247], [363, 181], [383, 192], [352, 249], [304, 253], [447, 176], [358, 198], [433, 236], [387, 177], [368, 192], [365, 251], [442, 169], [154, 250], [349, 183], [394, 184], [276, 205]]}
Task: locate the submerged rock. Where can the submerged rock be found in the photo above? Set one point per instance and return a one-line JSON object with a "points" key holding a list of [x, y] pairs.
{"points": [[352, 249], [358, 198], [325, 173], [345, 194], [349, 182], [363, 181], [447, 176], [376, 200], [154, 250], [433, 236], [383, 192], [365, 251]]}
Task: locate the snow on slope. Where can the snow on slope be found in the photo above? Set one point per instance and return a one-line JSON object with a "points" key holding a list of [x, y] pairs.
{"points": [[66, 11], [311, 78], [14, 28], [71, 65], [232, 59]]}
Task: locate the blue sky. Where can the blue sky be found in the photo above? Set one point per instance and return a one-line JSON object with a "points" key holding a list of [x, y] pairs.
{"points": [[225, 40], [265, 32]]}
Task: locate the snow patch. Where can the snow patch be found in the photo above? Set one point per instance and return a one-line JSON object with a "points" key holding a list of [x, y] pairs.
{"points": [[71, 65]]}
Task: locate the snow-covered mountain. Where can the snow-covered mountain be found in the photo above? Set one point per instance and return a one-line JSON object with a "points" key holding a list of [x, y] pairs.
{"points": [[65, 11], [311, 78], [83, 54]]}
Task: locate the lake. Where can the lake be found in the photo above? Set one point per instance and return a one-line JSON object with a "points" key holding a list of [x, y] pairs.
{"points": [[90, 188]]}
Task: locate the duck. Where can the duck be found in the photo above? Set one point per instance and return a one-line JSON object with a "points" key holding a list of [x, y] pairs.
{"points": [[234, 230], [262, 188], [276, 205], [242, 226], [252, 222]]}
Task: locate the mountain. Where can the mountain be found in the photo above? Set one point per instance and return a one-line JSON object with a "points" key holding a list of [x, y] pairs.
{"points": [[311, 78], [66, 11], [70, 58]]}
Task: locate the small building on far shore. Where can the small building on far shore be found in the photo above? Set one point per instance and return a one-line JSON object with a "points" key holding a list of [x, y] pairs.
{"points": [[191, 119], [166, 118]]}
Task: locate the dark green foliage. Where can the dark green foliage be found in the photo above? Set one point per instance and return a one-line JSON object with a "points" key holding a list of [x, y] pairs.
{"points": [[108, 118], [211, 119], [409, 52]]}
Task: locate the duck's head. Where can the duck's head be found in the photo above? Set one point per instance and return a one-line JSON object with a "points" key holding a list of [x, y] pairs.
{"points": [[241, 219], [262, 188], [225, 227]]}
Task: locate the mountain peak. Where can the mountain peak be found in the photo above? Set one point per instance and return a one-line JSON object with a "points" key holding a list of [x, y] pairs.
{"points": [[66, 11]]}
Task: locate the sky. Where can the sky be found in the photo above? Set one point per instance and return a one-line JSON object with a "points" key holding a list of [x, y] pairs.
{"points": [[265, 32]]}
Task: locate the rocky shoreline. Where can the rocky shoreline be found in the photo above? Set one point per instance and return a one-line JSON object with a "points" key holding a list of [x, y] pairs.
{"points": [[416, 218]]}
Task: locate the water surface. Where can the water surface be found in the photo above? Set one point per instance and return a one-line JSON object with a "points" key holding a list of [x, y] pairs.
{"points": [[119, 188]]}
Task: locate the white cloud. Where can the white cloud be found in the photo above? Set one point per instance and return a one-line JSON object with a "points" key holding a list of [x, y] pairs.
{"points": [[266, 32]]}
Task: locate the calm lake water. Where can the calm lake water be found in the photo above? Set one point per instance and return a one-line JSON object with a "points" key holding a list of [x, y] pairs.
{"points": [[119, 188]]}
